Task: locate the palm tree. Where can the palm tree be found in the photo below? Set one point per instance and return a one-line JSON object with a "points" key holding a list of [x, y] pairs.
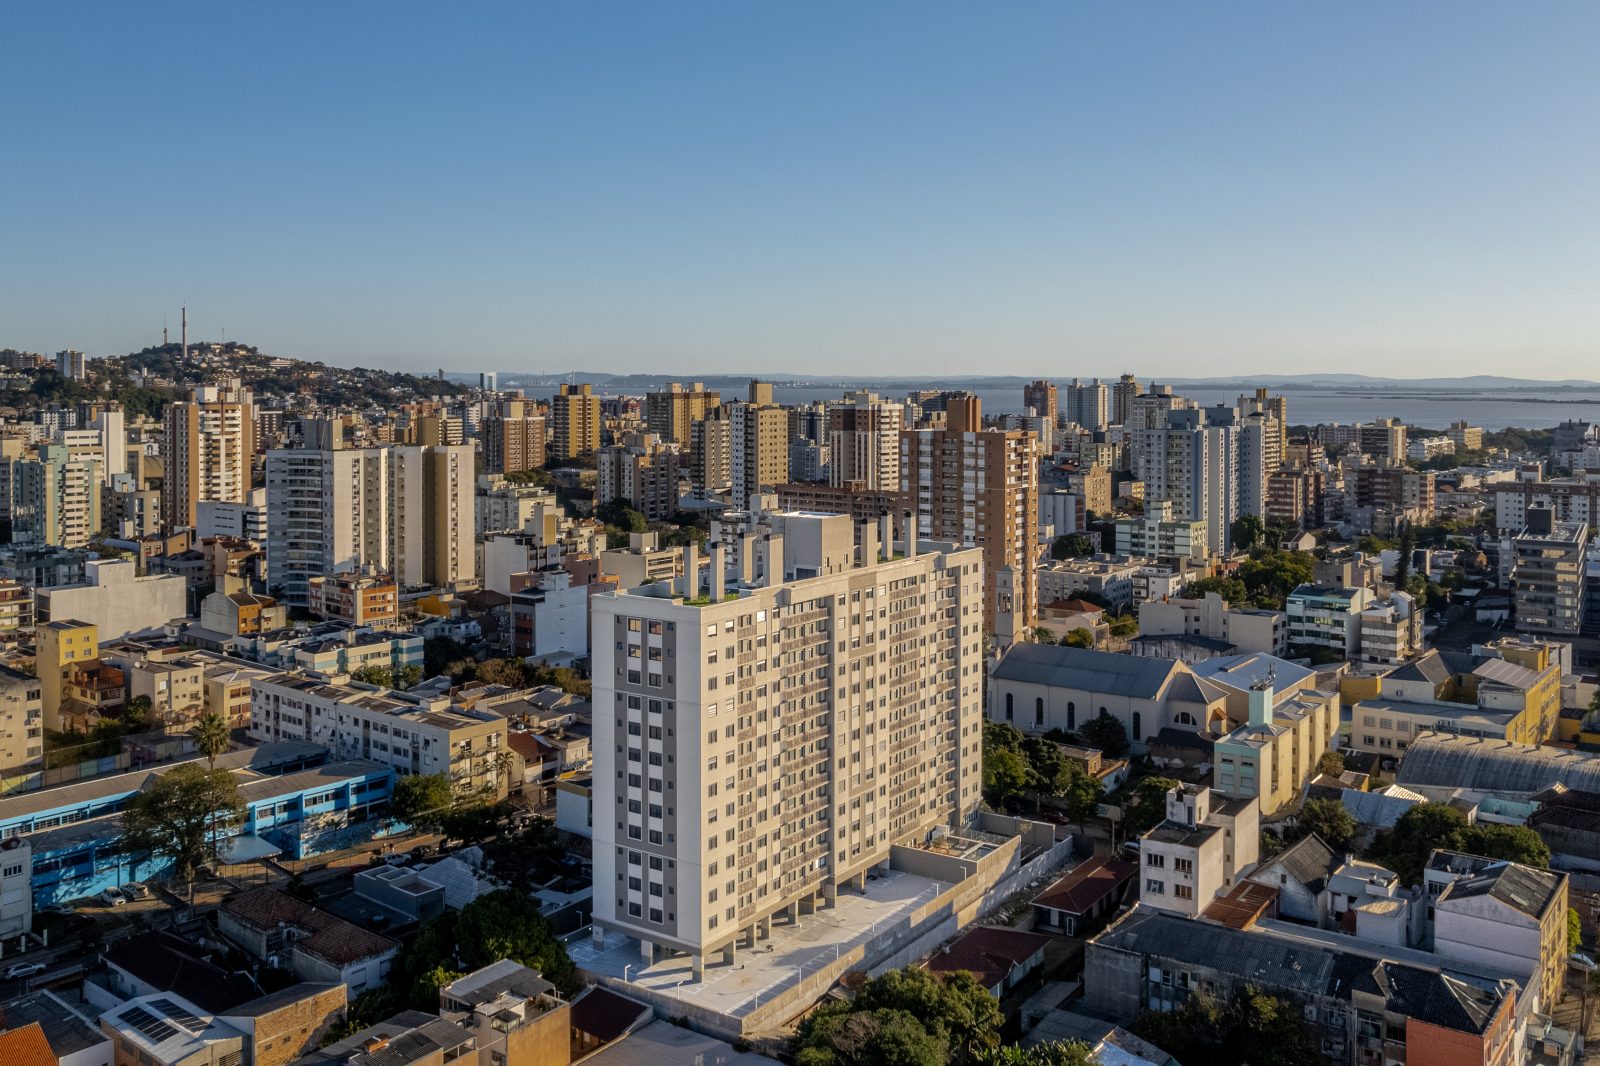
{"points": [[211, 737]]}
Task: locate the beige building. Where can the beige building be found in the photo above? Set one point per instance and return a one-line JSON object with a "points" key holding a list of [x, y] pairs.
{"points": [[758, 447], [1206, 844], [672, 412], [63, 647], [358, 721], [513, 440], [227, 689], [769, 735], [1245, 628], [864, 442], [979, 488], [642, 562], [574, 422], [1281, 726], [21, 719], [643, 472], [210, 440]]}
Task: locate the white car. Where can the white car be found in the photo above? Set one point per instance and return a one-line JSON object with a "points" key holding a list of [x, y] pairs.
{"points": [[23, 969], [136, 890], [397, 858], [112, 898]]}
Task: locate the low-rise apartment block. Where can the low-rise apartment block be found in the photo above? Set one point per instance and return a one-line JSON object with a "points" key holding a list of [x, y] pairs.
{"points": [[1157, 534], [364, 722], [1327, 617], [1206, 843]]}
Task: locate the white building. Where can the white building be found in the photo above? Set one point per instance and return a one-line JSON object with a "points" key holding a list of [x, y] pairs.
{"points": [[408, 511], [116, 600], [1327, 617], [363, 722], [1205, 845], [760, 743], [245, 518]]}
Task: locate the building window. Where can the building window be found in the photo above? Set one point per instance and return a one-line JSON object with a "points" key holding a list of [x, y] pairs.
{"points": [[1152, 887], [1008, 706], [1038, 711], [1138, 729], [1072, 715]]}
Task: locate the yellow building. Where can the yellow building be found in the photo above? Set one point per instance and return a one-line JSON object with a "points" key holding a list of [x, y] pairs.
{"points": [[63, 646], [1513, 692]]}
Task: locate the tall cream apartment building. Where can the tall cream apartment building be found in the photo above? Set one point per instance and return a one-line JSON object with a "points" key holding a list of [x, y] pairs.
{"points": [[672, 412], [864, 442], [574, 422], [758, 450], [406, 510], [979, 488], [207, 449], [764, 737]]}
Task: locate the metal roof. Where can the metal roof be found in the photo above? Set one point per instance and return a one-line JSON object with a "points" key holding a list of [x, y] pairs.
{"points": [[1113, 674]]}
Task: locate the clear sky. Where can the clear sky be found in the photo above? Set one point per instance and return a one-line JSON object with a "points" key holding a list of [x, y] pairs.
{"points": [[878, 188]]}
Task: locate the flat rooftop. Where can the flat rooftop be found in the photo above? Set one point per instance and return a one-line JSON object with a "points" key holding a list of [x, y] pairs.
{"points": [[775, 964]]}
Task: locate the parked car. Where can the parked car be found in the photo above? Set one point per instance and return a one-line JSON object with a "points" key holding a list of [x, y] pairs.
{"points": [[56, 908], [397, 858], [136, 890], [23, 969], [112, 898]]}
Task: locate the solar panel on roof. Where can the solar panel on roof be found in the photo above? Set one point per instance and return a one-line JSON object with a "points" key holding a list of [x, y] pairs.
{"points": [[179, 1014], [156, 1029]]}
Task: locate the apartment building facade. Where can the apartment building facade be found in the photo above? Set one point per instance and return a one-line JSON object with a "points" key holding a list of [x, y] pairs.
{"points": [[754, 752], [208, 444], [574, 422], [671, 413], [363, 722], [979, 488]]}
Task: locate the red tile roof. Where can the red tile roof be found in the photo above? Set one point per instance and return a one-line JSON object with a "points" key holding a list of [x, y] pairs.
{"points": [[26, 1047], [1086, 885], [989, 952]]}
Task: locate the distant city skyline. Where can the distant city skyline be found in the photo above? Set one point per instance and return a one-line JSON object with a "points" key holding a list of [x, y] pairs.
{"points": [[895, 191]]}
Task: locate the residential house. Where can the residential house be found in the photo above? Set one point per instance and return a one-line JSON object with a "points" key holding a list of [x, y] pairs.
{"points": [[1083, 898], [268, 924], [999, 957]]}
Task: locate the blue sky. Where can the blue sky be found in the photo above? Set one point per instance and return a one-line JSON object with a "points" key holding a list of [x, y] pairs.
{"points": [[814, 188]]}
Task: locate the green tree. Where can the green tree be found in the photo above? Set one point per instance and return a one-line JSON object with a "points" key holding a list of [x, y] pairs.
{"points": [[1048, 767], [1253, 1027], [211, 737], [443, 655], [506, 924], [1269, 577], [1081, 795], [422, 799], [374, 675], [1246, 532], [1071, 546], [1054, 1053], [1331, 763], [1513, 843], [1005, 774], [909, 1017], [1231, 589], [1329, 820], [1105, 733], [179, 814], [1146, 807], [1124, 625], [1574, 931], [1405, 847], [1079, 638], [1402, 566]]}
